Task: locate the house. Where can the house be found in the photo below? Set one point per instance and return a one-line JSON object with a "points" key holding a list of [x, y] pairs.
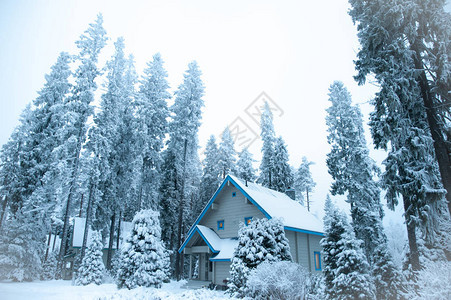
{"points": [[213, 236], [77, 242]]}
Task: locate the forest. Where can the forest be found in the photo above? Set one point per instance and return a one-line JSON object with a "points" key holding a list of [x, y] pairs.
{"points": [[109, 145]]}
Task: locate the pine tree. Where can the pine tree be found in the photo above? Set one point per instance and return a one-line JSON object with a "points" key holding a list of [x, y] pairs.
{"points": [[244, 167], [352, 170], [77, 110], [282, 177], [211, 174], [91, 269], [346, 271], [152, 115], [407, 47], [303, 182], [183, 172], [49, 267], [226, 154], [144, 260], [261, 241], [268, 137]]}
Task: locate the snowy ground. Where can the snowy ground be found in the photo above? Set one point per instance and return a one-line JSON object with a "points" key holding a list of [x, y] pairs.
{"points": [[62, 289]]}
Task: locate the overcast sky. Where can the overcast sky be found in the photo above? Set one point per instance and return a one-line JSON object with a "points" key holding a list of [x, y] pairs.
{"points": [[292, 50]]}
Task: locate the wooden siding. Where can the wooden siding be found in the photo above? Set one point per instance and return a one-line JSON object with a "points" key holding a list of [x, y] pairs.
{"points": [[232, 210], [222, 271]]}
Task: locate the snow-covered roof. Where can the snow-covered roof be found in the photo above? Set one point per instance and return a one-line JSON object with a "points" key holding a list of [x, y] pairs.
{"points": [[223, 247], [79, 230], [279, 205]]}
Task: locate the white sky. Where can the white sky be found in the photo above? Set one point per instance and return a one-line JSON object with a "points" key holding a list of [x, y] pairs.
{"points": [[292, 50]]}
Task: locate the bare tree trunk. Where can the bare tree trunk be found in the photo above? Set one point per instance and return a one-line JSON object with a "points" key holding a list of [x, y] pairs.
{"points": [[2, 216], [180, 216], [69, 200], [87, 221], [110, 243], [308, 200], [118, 231], [441, 151], [414, 256], [81, 206], [48, 246]]}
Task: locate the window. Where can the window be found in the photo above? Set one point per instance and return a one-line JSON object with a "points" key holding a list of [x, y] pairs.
{"points": [[247, 220], [317, 258], [221, 225], [234, 194]]}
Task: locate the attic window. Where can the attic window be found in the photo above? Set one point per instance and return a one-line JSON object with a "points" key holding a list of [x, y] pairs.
{"points": [[317, 258], [234, 194], [247, 221], [221, 225]]}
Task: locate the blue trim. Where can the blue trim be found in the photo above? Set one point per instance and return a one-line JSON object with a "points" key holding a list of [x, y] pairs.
{"points": [[227, 179], [246, 219], [219, 223], [304, 231], [319, 260], [222, 259], [202, 236]]}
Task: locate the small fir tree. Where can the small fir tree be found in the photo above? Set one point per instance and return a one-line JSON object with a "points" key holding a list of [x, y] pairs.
{"points": [[244, 167], [262, 240], [92, 268], [144, 260], [346, 271], [226, 154], [303, 182], [282, 178], [49, 267]]}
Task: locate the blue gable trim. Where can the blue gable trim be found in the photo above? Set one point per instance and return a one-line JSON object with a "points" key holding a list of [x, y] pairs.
{"points": [[227, 179], [203, 237], [304, 231]]}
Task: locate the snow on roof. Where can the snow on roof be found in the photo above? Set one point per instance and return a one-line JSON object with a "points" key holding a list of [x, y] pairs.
{"points": [[79, 230], [223, 247], [279, 205]]}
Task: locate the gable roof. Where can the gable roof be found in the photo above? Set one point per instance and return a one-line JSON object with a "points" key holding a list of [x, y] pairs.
{"points": [[272, 204], [222, 248]]}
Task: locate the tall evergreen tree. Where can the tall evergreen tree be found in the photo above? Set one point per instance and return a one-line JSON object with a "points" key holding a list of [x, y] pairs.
{"points": [[78, 109], [282, 177], [152, 115], [183, 173], [303, 182], [244, 167], [346, 271], [211, 174], [403, 47], [408, 49], [226, 153], [352, 170], [268, 137]]}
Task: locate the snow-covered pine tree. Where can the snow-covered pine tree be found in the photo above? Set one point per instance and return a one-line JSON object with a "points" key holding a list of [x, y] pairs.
{"points": [[49, 267], [261, 240], [78, 109], [211, 174], [22, 245], [303, 182], [352, 170], [282, 177], [152, 114], [244, 167], [407, 46], [402, 46], [144, 260], [91, 269], [346, 271], [269, 139], [184, 171], [226, 154]]}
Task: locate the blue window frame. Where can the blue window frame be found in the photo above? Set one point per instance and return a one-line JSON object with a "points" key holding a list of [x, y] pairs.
{"points": [[317, 259], [247, 221], [221, 225], [234, 194]]}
